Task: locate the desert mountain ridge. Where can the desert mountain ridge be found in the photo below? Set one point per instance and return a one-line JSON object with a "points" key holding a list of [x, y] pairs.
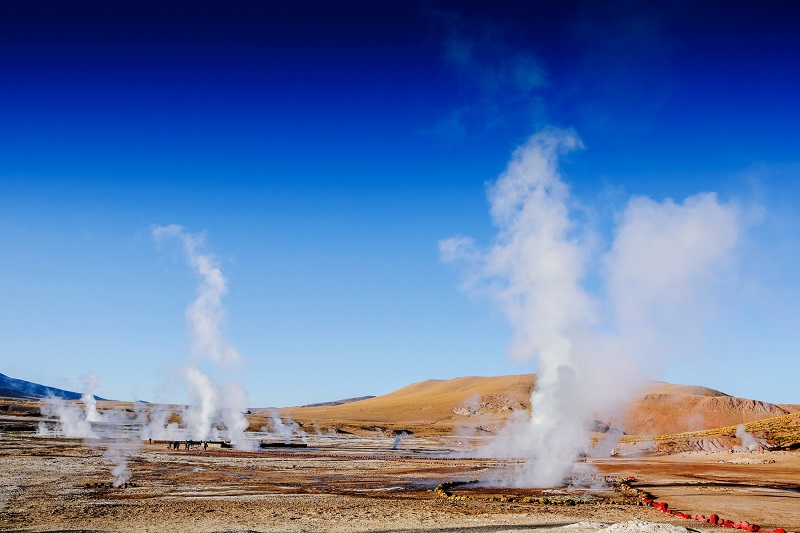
{"points": [[484, 404]]}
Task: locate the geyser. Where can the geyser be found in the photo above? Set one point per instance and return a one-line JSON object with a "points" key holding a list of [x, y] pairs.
{"points": [[586, 315], [214, 405]]}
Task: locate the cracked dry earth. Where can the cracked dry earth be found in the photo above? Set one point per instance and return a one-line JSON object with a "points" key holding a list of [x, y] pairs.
{"points": [[344, 485]]}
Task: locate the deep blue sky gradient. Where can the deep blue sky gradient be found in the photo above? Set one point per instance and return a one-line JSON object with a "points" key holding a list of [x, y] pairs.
{"points": [[326, 148]]}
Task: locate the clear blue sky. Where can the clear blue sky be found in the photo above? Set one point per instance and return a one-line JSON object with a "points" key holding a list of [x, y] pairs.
{"points": [[327, 147]]}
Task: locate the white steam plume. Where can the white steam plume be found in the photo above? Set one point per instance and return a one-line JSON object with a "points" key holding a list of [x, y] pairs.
{"points": [[214, 405], [283, 429], [232, 409], [662, 255], [90, 384], [205, 315], [749, 442], [666, 255], [199, 417]]}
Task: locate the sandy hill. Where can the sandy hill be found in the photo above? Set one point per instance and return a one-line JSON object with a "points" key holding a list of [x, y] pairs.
{"points": [[439, 406]]}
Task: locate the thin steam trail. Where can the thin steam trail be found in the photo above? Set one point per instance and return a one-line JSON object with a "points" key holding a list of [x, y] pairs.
{"points": [[214, 405], [206, 313], [665, 259]]}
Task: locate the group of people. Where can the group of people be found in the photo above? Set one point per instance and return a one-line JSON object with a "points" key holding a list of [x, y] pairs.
{"points": [[188, 444]]}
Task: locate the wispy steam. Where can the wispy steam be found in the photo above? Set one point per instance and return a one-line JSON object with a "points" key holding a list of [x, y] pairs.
{"points": [[663, 259], [119, 453], [500, 77], [206, 314]]}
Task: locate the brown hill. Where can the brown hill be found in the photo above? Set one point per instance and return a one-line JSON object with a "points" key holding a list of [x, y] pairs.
{"points": [[780, 432], [439, 406], [668, 409]]}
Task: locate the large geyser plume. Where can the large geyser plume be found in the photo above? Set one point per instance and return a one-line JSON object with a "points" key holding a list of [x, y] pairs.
{"points": [[214, 405], [587, 315]]}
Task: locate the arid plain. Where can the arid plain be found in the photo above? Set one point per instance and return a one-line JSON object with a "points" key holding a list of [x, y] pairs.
{"points": [[397, 463]]}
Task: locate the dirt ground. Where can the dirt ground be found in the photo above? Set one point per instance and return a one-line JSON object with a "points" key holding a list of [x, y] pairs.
{"points": [[351, 484], [761, 488]]}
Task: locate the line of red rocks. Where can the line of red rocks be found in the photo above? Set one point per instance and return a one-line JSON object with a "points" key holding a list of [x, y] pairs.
{"points": [[714, 519]]}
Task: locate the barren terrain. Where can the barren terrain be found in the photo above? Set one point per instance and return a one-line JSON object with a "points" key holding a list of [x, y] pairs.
{"points": [[359, 484], [356, 474]]}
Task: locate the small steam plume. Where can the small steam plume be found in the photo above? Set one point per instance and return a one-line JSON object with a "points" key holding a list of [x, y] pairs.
{"points": [[214, 405], [119, 453], [749, 442], [90, 384], [73, 422], [664, 260], [283, 429], [155, 423]]}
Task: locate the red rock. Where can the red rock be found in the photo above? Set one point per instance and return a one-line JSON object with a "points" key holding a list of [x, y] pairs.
{"points": [[780, 530], [727, 523], [713, 519]]}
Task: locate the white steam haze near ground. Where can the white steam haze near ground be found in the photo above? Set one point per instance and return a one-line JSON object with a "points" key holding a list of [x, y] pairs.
{"points": [[76, 422], [657, 278]]}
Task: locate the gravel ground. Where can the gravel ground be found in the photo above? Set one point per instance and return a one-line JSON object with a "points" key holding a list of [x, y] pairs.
{"points": [[351, 484]]}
